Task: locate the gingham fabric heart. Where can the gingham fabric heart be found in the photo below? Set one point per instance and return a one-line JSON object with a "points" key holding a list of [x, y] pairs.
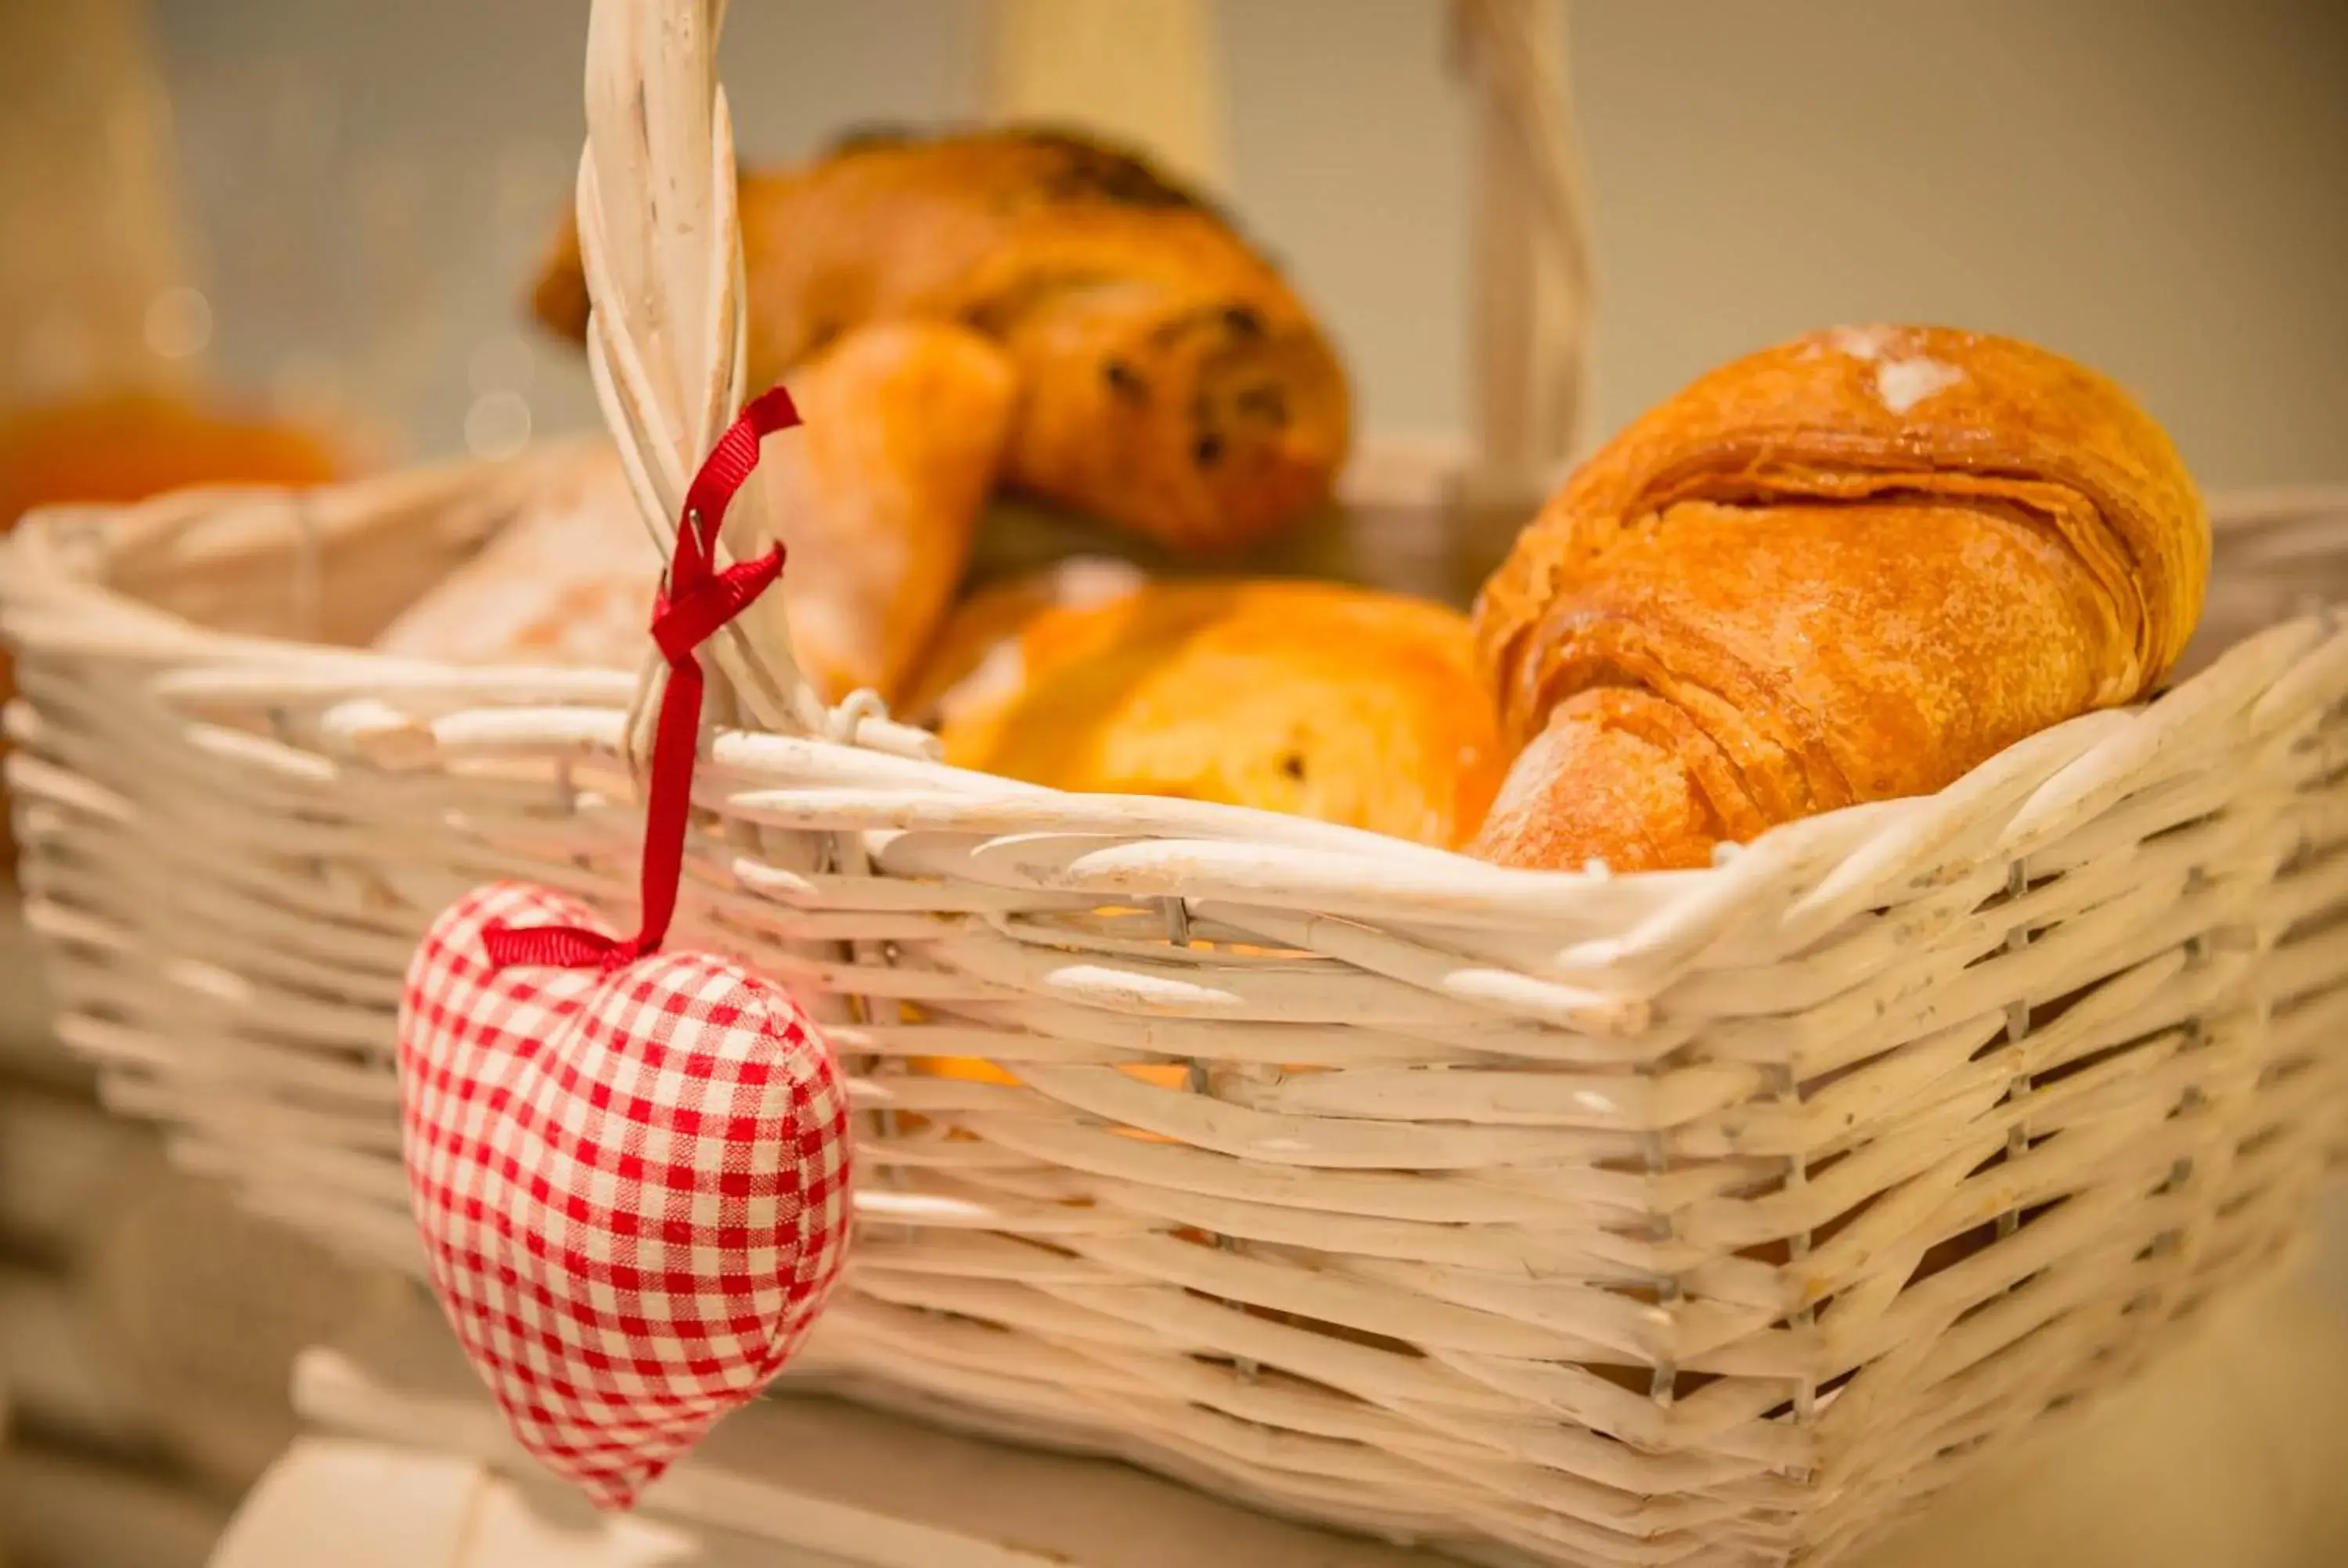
{"points": [[632, 1183]]}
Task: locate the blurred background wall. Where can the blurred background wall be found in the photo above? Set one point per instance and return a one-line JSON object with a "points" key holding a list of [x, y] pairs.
{"points": [[2159, 187]]}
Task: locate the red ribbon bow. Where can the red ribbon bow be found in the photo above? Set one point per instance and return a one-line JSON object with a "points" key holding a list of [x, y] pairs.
{"points": [[694, 602]]}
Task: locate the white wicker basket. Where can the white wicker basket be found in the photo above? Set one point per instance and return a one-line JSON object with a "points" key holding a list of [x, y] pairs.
{"points": [[1712, 1217]]}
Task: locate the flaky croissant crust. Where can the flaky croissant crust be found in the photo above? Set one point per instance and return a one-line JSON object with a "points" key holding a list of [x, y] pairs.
{"points": [[1917, 416]]}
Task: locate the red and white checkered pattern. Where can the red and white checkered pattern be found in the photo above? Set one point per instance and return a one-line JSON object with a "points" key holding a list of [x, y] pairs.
{"points": [[633, 1185]]}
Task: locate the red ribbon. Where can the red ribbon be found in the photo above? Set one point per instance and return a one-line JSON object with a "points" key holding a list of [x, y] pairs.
{"points": [[694, 602]]}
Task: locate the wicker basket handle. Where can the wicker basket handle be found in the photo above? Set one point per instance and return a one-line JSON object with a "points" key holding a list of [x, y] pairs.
{"points": [[1530, 346], [661, 246], [1148, 71]]}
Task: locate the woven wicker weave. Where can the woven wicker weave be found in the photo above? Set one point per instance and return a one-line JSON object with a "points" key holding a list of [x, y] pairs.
{"points": [[1712, 1217]]}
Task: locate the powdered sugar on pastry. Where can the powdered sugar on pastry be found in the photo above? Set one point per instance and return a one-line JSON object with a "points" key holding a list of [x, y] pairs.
{"points": [[1082, 581], [1902, 383], [1863, 343], [1902, 378]]}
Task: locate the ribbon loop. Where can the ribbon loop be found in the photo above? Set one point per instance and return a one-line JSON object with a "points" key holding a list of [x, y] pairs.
{"points": [[682, 621], [698, 601]]}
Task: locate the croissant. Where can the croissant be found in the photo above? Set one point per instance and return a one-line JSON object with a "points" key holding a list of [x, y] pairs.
{"points": [[1847, 568], [1171, 384]]}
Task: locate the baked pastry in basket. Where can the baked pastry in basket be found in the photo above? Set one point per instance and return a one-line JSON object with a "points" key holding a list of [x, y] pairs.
{"points": [[1847, 568], [976, 658], [567, 583], [1171, 382], [1318, 701], [876, 497]]}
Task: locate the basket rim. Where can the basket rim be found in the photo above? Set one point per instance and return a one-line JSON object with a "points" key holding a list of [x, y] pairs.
{"points": [[56, 592]]}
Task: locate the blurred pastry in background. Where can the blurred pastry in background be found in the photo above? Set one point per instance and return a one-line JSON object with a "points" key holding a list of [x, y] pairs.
{"points": [[1171, 384], [875, 497], [1337, 704], [1848, 568], [118, 447], [126, 446]]}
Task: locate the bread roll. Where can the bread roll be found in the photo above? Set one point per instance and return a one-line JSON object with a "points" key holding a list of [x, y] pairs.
{"points": [[1337, 704], [974, 659], [1170, 381], [876, 495], [1847, 568]]}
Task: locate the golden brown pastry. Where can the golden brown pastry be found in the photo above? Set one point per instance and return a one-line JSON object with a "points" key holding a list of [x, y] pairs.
{"points": [[1171, 382], [876, 495], [1847, 568], [1332, 703], [975, 659]]}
